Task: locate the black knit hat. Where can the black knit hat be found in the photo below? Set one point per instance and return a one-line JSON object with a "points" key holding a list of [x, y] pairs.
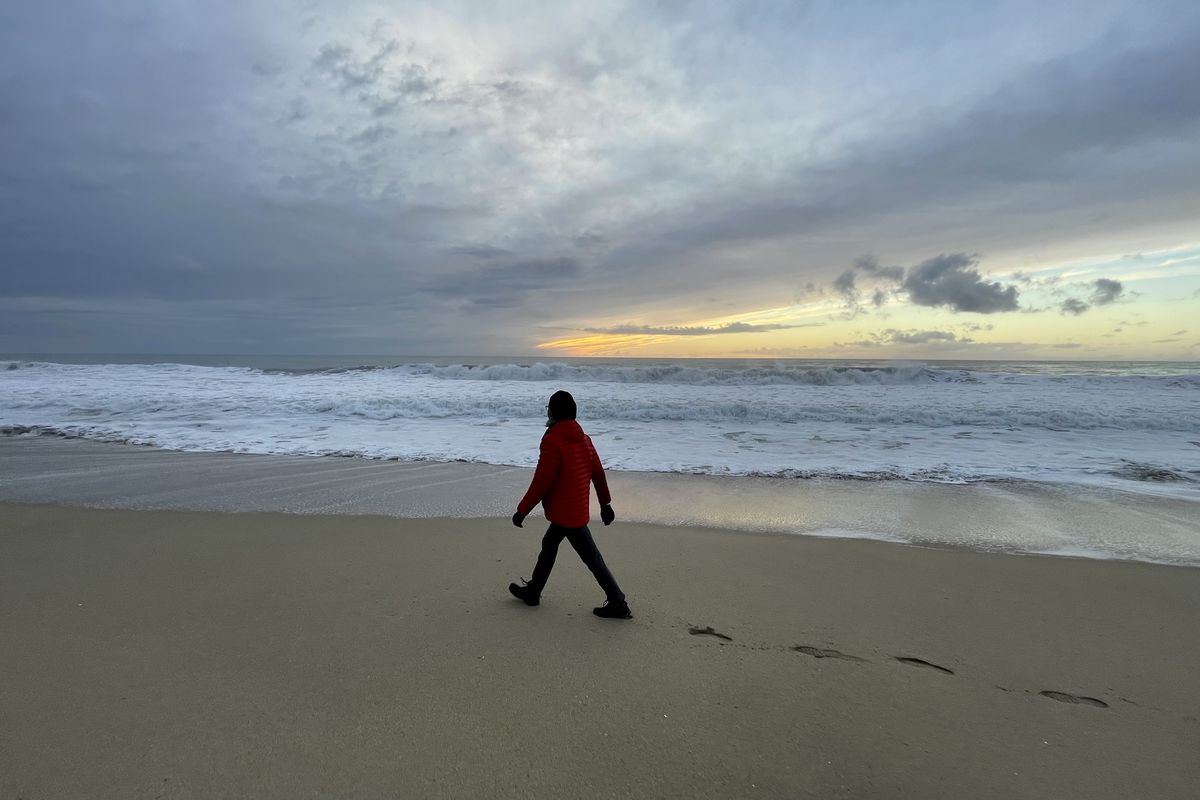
{"points": [[562, 405]]}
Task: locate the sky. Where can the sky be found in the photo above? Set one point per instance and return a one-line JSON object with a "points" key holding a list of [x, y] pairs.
{"points": [[909, 180]]}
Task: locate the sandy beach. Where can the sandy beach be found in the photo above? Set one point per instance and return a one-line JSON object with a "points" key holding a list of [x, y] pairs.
{"points": [[167, 654]]}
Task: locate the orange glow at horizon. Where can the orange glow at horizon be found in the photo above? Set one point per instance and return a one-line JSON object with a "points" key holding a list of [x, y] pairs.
{"points": [[601, 344]]}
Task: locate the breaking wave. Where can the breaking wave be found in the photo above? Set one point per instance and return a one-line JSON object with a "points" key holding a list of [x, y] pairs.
{"points": [[899, 421]]}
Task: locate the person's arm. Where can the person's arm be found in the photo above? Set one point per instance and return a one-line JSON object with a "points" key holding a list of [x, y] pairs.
{"points": [[607, 515], [599, 480], [549, 461]]}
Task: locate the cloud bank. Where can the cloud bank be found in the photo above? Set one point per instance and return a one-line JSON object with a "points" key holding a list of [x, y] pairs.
{"points": [[444, 179]]}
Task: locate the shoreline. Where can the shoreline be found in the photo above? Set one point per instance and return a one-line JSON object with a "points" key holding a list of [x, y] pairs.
{"points": [[1167, 485], [1029, 519], [195, 654]]}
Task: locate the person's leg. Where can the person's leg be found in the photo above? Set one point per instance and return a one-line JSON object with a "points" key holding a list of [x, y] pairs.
{"points": [[585, 546], [545, 561]]}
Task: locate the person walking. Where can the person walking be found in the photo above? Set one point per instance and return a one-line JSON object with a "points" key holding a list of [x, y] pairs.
{"points": [[567, 465]]}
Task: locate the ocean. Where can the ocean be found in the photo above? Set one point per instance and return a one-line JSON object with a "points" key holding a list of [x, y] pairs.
{"points": [[1131, 426]]}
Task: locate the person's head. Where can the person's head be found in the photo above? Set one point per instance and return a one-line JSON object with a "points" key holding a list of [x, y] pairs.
{"points": [[561, 406]]}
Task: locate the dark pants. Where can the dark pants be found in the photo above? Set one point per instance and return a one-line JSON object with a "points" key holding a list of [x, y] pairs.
{"points": [[581, 540]]}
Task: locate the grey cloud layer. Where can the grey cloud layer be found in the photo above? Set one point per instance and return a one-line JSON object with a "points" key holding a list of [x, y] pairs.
{"points": [[331, 179]]}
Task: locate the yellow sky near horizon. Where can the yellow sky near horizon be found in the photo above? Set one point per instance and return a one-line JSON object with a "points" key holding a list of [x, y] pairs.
{"points": [[1156, 317]]}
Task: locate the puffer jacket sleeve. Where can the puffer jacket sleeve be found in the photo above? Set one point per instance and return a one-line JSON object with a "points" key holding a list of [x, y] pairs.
{"points": [[549, 463], [598, 478]]}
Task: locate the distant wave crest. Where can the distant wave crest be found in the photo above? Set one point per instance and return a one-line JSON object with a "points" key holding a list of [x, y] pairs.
{"points": [[692, 376], [681, 374]]}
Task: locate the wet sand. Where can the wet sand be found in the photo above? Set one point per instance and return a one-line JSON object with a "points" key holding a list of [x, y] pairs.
{"points": [[202, 654], [1021, 517]]}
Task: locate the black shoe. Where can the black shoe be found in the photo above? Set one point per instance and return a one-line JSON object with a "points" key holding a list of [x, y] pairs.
{"points": [[523, 594], [611, 610]]}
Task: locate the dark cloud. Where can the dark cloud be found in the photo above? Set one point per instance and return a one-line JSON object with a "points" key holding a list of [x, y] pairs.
{"points": [[696, 330], [1073, 306], [949, 280], [869, 265], [1106, 291], [844, 284], [952, 281]]}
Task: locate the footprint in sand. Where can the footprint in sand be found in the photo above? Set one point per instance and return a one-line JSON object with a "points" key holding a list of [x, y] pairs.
{"points": [[708, 631], [920, 662], [1075, 699], [822, 652]]}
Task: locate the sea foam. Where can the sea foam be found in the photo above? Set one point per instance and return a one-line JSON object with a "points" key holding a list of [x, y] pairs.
{"points": [[1113, 426]]}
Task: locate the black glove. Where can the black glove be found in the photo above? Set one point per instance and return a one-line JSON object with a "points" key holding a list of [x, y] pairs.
{"points": [[518, 518], [607, 514]]}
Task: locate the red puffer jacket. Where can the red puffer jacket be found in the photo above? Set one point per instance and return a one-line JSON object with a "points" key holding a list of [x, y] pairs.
{"points": [[567, 464]]}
